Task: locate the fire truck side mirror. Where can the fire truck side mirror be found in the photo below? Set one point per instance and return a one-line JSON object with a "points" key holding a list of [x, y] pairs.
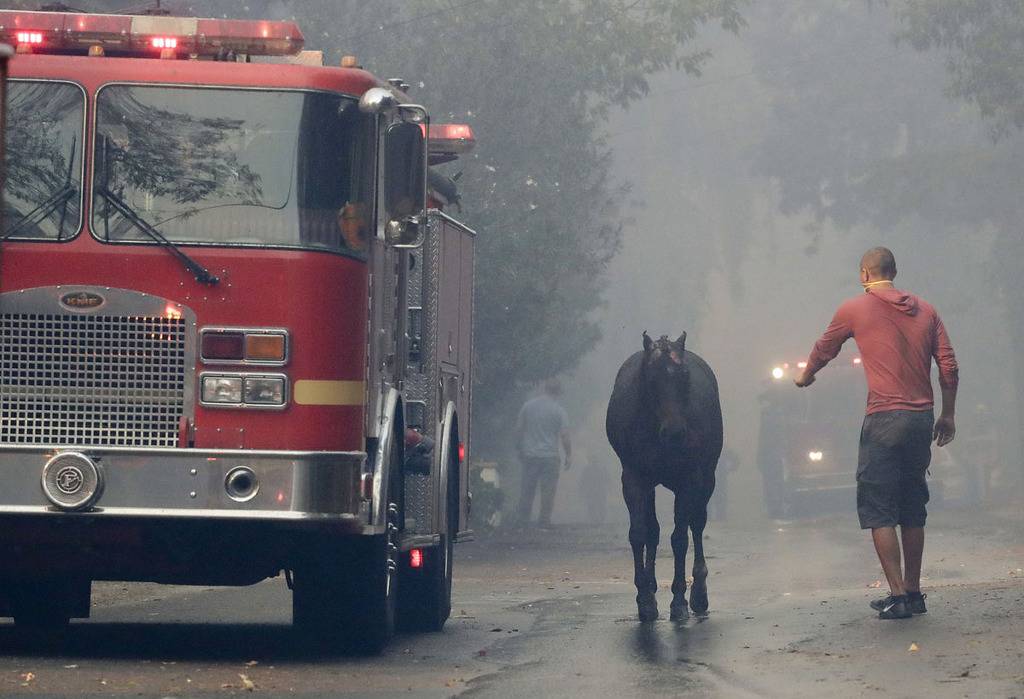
{"points": [[405, 155]]}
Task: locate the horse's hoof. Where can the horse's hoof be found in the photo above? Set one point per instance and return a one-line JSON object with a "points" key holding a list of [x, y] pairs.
{"points": [[699, 601], [678, 610], [647, 609]]}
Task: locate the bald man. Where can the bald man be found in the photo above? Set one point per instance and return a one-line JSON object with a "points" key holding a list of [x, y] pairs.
{"points": [[898, 335]]}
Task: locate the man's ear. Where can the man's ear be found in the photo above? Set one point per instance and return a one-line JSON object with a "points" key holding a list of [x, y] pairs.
{"points": [[648, 342], [681, 341]]}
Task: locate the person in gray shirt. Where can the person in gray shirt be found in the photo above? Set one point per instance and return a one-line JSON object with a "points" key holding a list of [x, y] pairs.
{"points": [[542, 426]]}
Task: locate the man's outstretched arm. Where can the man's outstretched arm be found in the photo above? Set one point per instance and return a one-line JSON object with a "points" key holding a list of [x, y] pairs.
{"points": [[825, 349]]}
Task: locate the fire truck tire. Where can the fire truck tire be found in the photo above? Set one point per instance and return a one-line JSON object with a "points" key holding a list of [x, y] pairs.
{"points": [[426, 594], [48, 604], [340, 600], [345, 592]]}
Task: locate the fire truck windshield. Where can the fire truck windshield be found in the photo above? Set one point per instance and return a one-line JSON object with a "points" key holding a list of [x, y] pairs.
{"points": [[226, 166], [42, 193]]}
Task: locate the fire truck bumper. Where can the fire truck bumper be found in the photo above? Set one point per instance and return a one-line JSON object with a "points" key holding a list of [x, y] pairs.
{"points": [[300, 487]]}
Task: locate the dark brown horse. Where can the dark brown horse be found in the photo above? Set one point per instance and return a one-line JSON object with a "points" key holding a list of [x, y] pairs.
{"points": [[665, 423]]}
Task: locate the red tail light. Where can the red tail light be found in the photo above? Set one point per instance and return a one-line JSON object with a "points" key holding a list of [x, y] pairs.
{"points": [[416, 558], [462, 452], [223, 346]]}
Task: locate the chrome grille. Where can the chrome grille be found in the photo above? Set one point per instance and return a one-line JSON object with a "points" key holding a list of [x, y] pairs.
{"points": [[91, 380]]}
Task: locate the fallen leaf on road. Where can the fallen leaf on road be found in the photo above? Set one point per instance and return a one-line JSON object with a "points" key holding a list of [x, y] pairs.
{"points": [[481, 653], [913, 648], [876, 584], [247, 684], [28, 676], [252, 663]]}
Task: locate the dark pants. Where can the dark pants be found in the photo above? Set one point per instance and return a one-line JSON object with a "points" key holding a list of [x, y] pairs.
{"points": [[542, 471], [895, 451]]}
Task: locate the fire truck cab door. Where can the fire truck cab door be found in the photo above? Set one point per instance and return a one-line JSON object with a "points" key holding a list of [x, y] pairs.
{"points": [[388, 315]]}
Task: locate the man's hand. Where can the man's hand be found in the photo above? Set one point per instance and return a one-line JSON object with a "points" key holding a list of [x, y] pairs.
{"points": [[804, 380], [945, 430]]}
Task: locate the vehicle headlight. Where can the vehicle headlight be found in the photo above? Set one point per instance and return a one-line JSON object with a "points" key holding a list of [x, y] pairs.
{"points": [[264, 390], [815, 455], [222, 389]]}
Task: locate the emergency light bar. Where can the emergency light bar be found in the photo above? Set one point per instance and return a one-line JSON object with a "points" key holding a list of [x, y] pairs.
{"points": [[146, 35]]}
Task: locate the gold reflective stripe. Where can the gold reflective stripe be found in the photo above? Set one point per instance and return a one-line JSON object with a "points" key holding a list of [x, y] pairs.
{"points": [[308, 392]]}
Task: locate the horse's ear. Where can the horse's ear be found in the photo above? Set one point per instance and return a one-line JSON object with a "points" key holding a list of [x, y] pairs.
{"points": [[648, 342], [681, 341]]}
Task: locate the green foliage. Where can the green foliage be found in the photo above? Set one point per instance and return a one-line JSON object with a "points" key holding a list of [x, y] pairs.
{"points": [[981, 40]]}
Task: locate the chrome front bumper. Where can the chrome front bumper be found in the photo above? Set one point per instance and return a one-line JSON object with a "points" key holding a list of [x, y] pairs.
{"points": [[309, 487]]}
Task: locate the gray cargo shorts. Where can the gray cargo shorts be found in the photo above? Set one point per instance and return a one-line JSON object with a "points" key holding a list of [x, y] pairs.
{"points": [[895, 451]]}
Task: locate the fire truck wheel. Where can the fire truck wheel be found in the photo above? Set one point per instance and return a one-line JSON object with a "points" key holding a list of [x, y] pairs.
{"points": [[426, 593], [345, 592], [48, 604], [340, 599]]}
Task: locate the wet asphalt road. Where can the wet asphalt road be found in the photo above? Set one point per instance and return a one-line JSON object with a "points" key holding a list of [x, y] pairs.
{"points": [[551, 614]]}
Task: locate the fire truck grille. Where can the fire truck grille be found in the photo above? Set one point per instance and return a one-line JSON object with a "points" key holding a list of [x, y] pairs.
{"points": [[91, 380]]}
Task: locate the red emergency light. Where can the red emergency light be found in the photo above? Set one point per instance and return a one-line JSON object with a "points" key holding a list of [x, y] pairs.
{"points": [[451, 139], [416, 558], [148, 35], [32, 38]]}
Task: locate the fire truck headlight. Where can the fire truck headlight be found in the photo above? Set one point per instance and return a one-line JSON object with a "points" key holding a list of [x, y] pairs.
{"points": [[815, 456], [778, 373], [222, 389], [264, 390]]}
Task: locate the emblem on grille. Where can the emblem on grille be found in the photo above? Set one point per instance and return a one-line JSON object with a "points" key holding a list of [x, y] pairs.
{"points": [[69, 480], [72, 481], [81, 301]]}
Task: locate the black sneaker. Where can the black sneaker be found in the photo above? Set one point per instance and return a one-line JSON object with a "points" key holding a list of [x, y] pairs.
{"points": [[892, 607], [915, 603]]}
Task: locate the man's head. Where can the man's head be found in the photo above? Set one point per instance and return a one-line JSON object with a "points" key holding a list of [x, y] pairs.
{"points": [[553, 387], [877, 265]]}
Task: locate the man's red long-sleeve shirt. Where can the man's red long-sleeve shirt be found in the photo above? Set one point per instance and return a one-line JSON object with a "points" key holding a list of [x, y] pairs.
{"points": [[897, 334]]}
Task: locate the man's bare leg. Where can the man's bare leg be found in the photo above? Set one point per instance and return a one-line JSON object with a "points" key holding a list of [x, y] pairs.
{"points": [[887, 546], [913, 550]]}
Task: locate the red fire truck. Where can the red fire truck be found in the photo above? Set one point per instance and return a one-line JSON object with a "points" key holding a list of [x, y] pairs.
{"points": [[229, 298]]}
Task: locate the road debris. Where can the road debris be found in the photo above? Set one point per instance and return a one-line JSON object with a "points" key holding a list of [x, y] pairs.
{"points": [[913, 648]]}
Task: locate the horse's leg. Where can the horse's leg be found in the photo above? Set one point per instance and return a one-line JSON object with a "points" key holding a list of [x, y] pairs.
{"points": [[653, 539], [698, 520], [635, 495], [680, 543]]}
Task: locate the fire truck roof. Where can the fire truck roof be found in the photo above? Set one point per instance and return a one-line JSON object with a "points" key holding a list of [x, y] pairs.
{"points": [[92, 72]]}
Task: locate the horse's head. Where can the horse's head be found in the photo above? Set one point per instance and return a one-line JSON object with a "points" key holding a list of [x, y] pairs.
{"points": [[666, 387]]}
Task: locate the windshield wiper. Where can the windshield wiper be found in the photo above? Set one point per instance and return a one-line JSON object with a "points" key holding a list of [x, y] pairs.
{"points": [[39, 214], [202, 275], [47, 207]]}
